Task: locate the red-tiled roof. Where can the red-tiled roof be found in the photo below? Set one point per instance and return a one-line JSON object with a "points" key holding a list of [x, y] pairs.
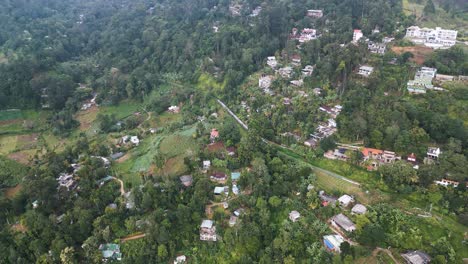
{"points": [[367, 151]]}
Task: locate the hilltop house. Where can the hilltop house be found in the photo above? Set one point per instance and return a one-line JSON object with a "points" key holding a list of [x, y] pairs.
{"points": [[365, 70], [221, 190], [333, 242], [308, 70], [359, 209], [376, 48], [416, 257], [265, 81], [343, 222], [357, 35], [315, 13], [207, 231], [271, 61], [345, 200], [437, 38], [294, 216], [66, 180], [433, 153], [110, 251], [218, 177]]}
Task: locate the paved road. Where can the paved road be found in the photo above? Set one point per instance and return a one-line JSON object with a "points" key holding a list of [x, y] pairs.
{"points": [[329, 173]]}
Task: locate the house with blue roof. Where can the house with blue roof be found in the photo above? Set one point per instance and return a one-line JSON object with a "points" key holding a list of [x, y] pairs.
{"points": [[235, 176]]}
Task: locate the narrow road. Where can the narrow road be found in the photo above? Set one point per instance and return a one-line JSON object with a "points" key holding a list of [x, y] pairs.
{"points": [[329, 173]]}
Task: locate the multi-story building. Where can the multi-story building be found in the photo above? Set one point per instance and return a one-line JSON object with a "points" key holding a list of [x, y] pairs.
{"points": [[435, 38]]}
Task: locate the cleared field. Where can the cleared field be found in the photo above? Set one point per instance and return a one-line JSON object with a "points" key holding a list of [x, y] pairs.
{"points": [[420, 52]]}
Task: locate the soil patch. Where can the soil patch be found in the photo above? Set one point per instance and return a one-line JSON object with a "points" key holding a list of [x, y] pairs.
{"points": [[215, 147], [420, 52], [124, 158], [11, 192], [27, 141], [19, 228], [20, 157]]}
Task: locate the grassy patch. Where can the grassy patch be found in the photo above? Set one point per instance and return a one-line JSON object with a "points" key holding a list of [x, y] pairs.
{"points": [[7, 144], [122, 110]]}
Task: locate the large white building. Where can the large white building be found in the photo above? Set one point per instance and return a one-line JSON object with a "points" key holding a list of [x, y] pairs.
{"points": [[435, 38]]}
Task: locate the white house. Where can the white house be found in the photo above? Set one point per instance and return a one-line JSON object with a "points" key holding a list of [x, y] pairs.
{"points": [[294, 216], [359, 209], [271, 61], [135, 140], [206, 165], [433, 153], [345, 200], [315, 13], [365, 70], [308, 70]]}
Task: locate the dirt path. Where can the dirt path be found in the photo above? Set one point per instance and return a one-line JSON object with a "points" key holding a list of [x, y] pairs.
{"points": [[133, 237], [388, 252], [122, 190]]}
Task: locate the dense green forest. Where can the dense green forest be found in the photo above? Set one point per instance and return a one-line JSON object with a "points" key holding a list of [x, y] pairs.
{"points": [[82, 80]]}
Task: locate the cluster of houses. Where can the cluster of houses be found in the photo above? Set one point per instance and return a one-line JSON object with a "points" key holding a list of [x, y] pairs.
{"points": [[437, 38], [374, 158], [422, 81], [324, 129], [340, 221]]}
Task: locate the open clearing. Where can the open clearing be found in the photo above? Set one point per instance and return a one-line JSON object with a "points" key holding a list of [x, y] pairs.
{"points": [[420, 52], [7, 144], [87, 117]]}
